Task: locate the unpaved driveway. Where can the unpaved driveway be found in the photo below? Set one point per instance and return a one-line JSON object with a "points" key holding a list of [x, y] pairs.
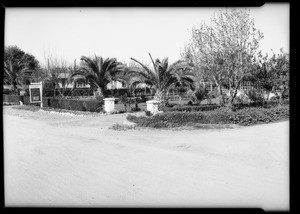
{"points": [[77, 161]]}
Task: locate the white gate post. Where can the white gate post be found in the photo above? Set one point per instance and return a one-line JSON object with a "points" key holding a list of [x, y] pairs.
{"points": [[152, 106], [109, 105]]}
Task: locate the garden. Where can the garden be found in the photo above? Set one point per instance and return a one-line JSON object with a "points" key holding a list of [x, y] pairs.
{"points": [[234, 85]]}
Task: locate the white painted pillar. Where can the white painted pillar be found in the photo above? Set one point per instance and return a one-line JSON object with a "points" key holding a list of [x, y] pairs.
{"points": [[109, 105], [152, 106]]}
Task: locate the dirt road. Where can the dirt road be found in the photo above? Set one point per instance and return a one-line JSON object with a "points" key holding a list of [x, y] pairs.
{"points": [[60, 160]]}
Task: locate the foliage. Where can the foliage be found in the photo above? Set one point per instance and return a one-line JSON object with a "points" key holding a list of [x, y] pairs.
{"points": [[191, 108], [98, 72], [77, 105], [127, 101], [273, 73], [8, 98], [255, 95], [163, 76], [18, 67], [58, 76], [224, 50], [200, 94], [148, 113], [17, 55], [245, 117]]}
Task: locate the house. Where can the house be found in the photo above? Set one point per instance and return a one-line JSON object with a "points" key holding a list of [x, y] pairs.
{"points": [[116, 85], [63, 77]]}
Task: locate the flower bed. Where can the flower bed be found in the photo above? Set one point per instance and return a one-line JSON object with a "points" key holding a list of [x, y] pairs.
{"points": [[245, 117]]}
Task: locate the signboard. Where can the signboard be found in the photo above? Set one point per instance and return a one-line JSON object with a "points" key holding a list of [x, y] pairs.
{"points": [[35, 92]]}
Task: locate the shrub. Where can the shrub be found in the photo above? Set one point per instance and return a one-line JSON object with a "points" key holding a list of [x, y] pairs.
{"points": [[78, 92], [245, 117], [12, 98], [200, 94], [208, 107], [190, 103], [136, 108], [255, 96], [76, 105], [6, 91]]}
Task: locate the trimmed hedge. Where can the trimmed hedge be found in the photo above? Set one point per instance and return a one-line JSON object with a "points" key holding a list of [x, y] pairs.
{"points": [[76, 105], [69, 104], [189, 108], [12, 98], [68, 92], [210, 107], [264, 104], [245, 117]]}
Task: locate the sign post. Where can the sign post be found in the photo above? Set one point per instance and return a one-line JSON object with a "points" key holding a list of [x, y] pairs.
{"points": [[36, 93]]}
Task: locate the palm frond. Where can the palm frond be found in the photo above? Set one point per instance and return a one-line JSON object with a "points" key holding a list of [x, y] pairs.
{"points": [[148, 70]]}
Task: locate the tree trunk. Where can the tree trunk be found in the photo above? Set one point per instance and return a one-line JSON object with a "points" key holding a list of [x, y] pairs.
{"points": [[219, 87], [235, 91], [160, 96], [268, 95], [98, 93]]}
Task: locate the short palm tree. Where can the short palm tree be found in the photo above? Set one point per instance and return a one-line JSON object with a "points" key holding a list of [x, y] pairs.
{"points": [[14, 73], [98, 72], [164, 76]]}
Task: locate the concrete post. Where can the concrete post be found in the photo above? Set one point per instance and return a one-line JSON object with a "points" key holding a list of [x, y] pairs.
{"points": [[109, 105], [152, 106]]}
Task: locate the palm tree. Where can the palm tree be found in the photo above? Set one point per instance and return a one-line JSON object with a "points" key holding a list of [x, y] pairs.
{"points": [[14, 73], [164, 76], [98, 72]]}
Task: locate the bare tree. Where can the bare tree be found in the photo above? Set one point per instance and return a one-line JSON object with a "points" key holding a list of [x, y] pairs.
{"points": [[58, 74]]}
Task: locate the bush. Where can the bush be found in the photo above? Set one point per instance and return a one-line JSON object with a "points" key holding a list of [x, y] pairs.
{"points": [[79, 92], [70, 104], [245, 117], [255, 96], [6, 91], [76, 92], [200, 94], [136, 108], [15, 99], [188, 108]]}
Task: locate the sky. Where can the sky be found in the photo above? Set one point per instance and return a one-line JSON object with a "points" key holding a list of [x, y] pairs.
{"points": [[69, 33]]}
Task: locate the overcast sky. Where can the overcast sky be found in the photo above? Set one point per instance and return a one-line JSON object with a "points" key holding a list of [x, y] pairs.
{"points": [[70, 33]]}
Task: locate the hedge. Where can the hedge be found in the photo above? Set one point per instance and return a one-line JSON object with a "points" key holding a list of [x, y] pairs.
{"points": [[12, 98], [69, 104], [77, 105], [245, 117], [185, 108], [210, 107], [69, 92], [265, 104]]}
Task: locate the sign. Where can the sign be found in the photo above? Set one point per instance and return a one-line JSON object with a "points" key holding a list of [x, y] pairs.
{"points": [[35, 92]]}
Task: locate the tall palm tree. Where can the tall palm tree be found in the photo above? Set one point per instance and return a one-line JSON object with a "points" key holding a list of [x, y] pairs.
{"points": [[164, 76], [98, 72]]}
